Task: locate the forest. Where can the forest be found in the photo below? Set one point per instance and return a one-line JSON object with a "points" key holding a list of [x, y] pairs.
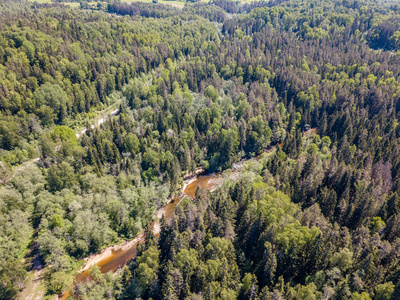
{"points": [[309, 87]]}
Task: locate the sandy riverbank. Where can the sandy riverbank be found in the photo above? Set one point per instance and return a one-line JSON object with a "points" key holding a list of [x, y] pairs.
{"points": [[156, 228], [96, 258]]}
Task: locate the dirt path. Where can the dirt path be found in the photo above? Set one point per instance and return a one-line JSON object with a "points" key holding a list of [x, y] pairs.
{"points": [[22, 166], [114, 257], [179, 6], [98, 122], [78, 135], [156, 228], [34, 288]]}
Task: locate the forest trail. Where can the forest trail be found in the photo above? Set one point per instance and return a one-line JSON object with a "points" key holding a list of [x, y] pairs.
{"points": [[174, 5], [78, 134], [21, 167], [34, 289], [97, 123], [115, 257], [166, 211]]}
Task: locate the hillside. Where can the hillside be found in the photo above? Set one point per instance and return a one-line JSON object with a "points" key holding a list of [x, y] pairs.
{"points": [[290, 109]]}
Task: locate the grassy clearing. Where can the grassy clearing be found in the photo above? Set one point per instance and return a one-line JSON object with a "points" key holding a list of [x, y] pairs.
{"points": [[34, 288], [181, 3], [72, 4], [41, 1], [173, 3]]}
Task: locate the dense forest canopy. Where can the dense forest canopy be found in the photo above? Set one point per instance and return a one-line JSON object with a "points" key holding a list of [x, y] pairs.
{"points": [[316, 83]]}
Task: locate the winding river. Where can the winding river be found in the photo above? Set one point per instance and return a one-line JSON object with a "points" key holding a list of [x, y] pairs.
{"points": [[113, 258], [116, 257]]}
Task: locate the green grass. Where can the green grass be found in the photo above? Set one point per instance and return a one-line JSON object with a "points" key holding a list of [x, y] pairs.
{"points": [[72, 4], [145, 1], [173, 3], [180, 3], [41, 1], [34, 287]]}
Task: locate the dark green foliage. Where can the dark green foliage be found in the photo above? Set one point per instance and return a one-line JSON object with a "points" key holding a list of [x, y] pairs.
{"points": [[204, 87], [12, 276]]}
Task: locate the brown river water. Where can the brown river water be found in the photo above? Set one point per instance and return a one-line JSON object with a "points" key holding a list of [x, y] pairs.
{"points": [[117, 258]]}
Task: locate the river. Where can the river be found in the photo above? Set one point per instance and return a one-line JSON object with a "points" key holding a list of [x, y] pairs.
{"points": [[116, 257], [113, 258]]}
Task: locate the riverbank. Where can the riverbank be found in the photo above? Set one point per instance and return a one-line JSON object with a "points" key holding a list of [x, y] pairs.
{"points": [[115, 257], [128, 245]]}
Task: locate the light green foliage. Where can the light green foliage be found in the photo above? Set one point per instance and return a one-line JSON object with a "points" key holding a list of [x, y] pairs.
{"points": [[249, 281], [58, 282], [228, 294], [360, 296], [90, 230], [211, 92], [186, 261], [342, 259], [295, 234], [15, 230], [53, 96], [315, 217], [277, 209], [326, 141], [57, 221], [65, 135], [308, 292], [384, 291], [132, 142], [376, 224], [310, 97], [242, 108], [12, 273], [61, 176], [147, 266]]}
